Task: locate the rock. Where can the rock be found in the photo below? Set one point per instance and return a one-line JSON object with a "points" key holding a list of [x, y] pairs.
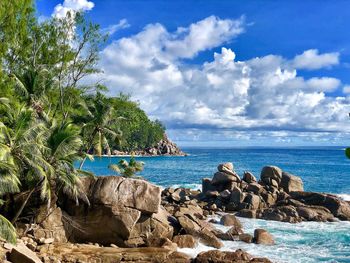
{"points": [[252, 200], [167, 244], [225, 167], [255, 188], [223, 178], [269, 173], [338, 207], [315, 213], [21, 254], [216, 256], [123, 211], [191, 227], [46, 240], [247, 238], [249, 177], [50, 225], [261, 236], [133, 193], [180, 195], [291, 183], [185, 241], [226, 194], [230, 220], [207, 186], [247, 213], [65, 252], [237, 196]]}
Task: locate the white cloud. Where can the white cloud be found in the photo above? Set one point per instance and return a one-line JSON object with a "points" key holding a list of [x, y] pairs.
{"points": [[311, 60], [264, 93], [122, 24], [61, 10], [346, 89]]}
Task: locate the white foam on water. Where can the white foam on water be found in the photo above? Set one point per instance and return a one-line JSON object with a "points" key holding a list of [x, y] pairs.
{"points": [[307, 242], [188, 186], [345, 197]]}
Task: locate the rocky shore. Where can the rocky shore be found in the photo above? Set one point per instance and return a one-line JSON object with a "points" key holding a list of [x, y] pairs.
{"points": [[132, 220], [164, 147]]}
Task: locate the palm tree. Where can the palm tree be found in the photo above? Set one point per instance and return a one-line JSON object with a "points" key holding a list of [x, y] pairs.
{"points": [[96, 128], [21, 145], [63, 149], [127, 169]]}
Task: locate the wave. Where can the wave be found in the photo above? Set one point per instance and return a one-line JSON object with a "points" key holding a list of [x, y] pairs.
{"points": [[306, 242], [345, 197], [187, 185]]}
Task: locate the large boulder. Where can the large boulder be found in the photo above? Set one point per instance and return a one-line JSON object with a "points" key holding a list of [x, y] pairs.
{"points": [[122, 211], [224, 178], [291, 183], [338, 207], [271, 175]]}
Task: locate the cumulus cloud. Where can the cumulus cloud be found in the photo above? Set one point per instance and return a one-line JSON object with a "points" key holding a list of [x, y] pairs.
{"points": [[122, 24], [311, 60], [260, 94], [346, 89], [61, 10]]}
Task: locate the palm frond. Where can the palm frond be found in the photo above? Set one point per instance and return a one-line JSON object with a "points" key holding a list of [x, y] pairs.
{"points": [[7, 230]]}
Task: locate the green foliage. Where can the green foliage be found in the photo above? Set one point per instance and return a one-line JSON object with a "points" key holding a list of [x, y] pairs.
{"points": [[7, 231], [347, 152], [48, 120], [139, 132], [127, 169]]}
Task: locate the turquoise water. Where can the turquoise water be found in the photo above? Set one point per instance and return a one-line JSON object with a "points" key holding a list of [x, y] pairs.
{"points": [[322, 170]]}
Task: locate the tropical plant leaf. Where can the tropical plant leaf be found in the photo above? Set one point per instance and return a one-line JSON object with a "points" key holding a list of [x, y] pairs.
{"points": [[7, 230]]}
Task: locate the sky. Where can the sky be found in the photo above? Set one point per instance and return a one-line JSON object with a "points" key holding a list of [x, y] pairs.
{"points": [[228, 73]]}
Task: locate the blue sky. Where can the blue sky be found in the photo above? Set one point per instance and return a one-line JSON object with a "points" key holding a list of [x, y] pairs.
{"points": [[304, 103]]}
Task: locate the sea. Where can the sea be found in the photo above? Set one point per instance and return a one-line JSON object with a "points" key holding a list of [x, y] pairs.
{"points": [[322, 169]]}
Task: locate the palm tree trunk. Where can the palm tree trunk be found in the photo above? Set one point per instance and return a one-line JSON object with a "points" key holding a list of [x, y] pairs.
{"points": [[88, 149], [20, 210]]}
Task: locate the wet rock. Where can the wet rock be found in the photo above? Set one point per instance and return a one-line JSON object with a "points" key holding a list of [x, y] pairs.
{"points": [[247, 238], [230, 220], [202, 232], [261, 236], [185, 241]]}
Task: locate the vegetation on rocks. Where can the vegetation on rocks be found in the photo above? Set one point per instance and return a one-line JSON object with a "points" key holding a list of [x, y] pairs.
{"points": [[50, 120]]}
